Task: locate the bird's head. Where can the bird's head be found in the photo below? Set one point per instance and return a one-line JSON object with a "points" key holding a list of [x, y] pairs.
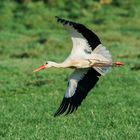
{"points": [[48, 64]]}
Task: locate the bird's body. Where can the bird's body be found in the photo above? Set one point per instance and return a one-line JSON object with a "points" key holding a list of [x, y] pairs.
{"points": [[89, 58]]}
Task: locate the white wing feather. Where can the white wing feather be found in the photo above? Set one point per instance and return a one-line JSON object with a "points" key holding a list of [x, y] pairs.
{"points": [[76, 76], [80, 44], [102, 54]]}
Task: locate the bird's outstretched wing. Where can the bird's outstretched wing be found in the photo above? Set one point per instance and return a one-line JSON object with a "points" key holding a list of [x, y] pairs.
{"points": [[86, 44], [81, 81], [81, 36]]}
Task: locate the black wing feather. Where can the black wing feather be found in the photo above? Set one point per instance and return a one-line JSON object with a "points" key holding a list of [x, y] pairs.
{"points": [[90, 36], [71, 104]]}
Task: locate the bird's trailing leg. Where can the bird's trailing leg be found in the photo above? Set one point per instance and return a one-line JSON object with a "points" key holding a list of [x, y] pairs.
{"points": [[108, 64], [118, 64]]}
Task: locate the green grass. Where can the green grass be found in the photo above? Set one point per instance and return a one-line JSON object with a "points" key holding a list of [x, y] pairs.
{"points": [[111, 110]]}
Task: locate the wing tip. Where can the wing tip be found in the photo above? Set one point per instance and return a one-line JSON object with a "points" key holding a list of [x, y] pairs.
{"points": [[65, 21], [55, 115], [65, 108], [70, 111], [57, 17]]}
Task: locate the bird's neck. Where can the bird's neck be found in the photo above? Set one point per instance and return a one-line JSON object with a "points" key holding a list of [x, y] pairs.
{"points": [[56, 65]]}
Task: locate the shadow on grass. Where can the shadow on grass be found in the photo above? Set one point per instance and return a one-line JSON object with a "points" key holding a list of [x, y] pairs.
{"points": [[136, 67], [24, 55], [38, 83]]}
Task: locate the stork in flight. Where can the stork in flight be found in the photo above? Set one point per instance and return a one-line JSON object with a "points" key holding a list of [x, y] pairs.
{"points": [[89, 58]]}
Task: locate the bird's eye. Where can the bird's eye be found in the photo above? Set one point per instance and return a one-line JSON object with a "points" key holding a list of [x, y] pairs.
{"points": [[46, 62]]}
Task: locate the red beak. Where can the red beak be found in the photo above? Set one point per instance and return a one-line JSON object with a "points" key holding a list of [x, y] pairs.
{"points": [[40, 68]]}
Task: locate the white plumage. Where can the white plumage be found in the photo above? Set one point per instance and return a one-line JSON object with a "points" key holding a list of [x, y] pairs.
{"points": [[76, 76], [101, 54]]}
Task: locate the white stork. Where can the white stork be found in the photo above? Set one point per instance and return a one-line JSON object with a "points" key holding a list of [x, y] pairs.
{"points": [[90, 60]]}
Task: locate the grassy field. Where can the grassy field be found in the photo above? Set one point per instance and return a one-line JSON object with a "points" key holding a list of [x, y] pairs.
{"points": [[29, 36]]}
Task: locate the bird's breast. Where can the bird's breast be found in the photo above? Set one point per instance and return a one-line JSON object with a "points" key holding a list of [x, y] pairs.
{"points": [[81, 63]]}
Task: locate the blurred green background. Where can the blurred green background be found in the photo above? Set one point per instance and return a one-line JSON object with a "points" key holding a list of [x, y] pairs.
{"points": [[30, 35]]}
